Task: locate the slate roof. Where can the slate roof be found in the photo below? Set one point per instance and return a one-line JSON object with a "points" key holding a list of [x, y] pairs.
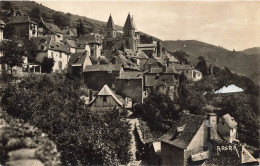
{"points": [[58, 46], [182, 140], [229, 120], [77, 59], [52, 27], [106, 67], [71, 43], [49, 44], [127, 64], [20, 20], [129, 24], [130, 75], [110, 23]]}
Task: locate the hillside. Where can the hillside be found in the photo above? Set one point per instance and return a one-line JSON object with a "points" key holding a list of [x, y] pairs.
{"points": [[241, 63], [252, 51], [89, 24]]}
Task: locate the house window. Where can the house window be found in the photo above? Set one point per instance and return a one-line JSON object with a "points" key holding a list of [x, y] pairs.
{"points": [[42, 48], [104, 98], [91, 52], [150, 61], [60, 55], [52, 54], [60, 65]]}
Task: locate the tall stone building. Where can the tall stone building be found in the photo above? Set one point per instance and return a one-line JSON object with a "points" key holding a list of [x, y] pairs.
{"points": [[130, 36], [110, 34]]}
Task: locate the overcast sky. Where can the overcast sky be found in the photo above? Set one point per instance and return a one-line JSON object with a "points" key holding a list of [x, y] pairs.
{"points": [[233, 24]]}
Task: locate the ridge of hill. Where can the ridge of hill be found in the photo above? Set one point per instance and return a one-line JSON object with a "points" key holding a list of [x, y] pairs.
{"points": [[238, 62], [252, 51]]}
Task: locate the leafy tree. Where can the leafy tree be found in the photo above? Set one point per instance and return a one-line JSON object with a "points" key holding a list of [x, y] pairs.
{"points": [[8, 31], [13, 53], [36, 13], [6, 5], [202, 66], [47, 65], [61, 20], [80, 28], [144, 39], [181, 56]]}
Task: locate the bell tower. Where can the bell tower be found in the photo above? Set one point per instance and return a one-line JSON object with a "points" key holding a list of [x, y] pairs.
{"points": [[129, 34], [110, 33]]}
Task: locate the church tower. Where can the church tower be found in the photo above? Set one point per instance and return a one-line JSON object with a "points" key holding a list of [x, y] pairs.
{"points": [[110, 33], [129, 34]]}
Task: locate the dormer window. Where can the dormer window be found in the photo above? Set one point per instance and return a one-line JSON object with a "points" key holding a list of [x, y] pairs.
{"points": [[42, 48], [57, 45]]}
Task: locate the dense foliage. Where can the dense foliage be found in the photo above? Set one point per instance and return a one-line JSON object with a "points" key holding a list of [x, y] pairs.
{"points": [[47, 65], [13, 53], [51, 103], [157, 110]]}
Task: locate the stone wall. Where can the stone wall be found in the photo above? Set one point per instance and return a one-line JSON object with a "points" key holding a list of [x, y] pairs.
{"points": [[97, 79]]}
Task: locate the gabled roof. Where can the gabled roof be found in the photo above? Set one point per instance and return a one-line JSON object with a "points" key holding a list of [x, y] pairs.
{"points": [[42, 42], [71, 43], [106, 91], [110, 23], [182, 139], [51, 27], [20, 19], [58, 46], [141, 55], [106, 67], [129, 24], [229, 120]]}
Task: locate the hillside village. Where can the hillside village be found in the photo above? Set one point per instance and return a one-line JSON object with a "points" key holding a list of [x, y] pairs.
{"points": [[144, 82]]}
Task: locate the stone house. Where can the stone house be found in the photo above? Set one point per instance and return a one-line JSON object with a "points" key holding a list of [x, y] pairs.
{"points": [[164, 80], [52, 30], [23, 27], [77, 63], [46, 47], [130, 84], [188, 70], [96, 76], [227, 127], [106, 100], [141, 59]]}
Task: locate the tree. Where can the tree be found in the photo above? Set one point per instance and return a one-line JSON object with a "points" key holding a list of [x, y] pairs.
{"points": [[47, 65], [13, 54], [80, 28], [202, 66], [181, 56], [36, 12], [62, 20], [6, 5]]}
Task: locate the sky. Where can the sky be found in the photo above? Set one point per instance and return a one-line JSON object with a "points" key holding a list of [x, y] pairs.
{"points": [[231, 24]]}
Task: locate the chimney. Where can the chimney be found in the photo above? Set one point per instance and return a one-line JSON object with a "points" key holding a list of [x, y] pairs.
{"points": [[90, 95], [212, 125], [159, 49]]}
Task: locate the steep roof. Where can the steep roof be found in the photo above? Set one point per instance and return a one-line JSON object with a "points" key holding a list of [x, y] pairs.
{"points": [[190, 125], [71, 43], [106, 67], [20, 19], [42, 42], [141, 55], [129, 24], [58, 46], [229, 120], [52, 27], [110, 23], [77, 58], [106, 91]]}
